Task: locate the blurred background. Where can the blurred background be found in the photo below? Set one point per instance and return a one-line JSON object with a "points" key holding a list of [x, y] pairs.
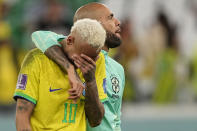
{"points": [[159, 55]]}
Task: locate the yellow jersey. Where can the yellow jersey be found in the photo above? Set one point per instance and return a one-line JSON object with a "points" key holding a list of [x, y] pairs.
{"points": [[42, 82]]}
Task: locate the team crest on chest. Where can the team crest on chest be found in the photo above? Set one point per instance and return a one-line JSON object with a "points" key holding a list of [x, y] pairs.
{"points": [[115, 84]]}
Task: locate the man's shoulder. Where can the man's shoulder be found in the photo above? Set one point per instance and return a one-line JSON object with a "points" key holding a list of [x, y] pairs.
{"points": [[116, 64], [35, 52], [100, 60], [34, 55]]}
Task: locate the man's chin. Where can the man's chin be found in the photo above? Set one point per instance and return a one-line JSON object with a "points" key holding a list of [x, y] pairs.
{"points": [[114, 43], [113, 40]]}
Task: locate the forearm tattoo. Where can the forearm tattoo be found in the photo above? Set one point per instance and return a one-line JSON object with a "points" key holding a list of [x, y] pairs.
{"points": [[57, 55]]}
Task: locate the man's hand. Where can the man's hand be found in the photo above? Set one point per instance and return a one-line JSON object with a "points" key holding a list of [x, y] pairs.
{"points": [[57, 55], [86, 65], [94, 109], [76, 85]]}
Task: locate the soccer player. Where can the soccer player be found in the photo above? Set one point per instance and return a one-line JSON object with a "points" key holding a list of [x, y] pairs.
{"points": [[115, 73], [42, 87]]}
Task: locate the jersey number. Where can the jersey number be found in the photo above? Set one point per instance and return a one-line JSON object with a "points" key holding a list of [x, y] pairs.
{"points": [[72, 113]]}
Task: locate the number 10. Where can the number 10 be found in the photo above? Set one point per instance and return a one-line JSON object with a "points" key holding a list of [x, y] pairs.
{"points": [[71, 113]]}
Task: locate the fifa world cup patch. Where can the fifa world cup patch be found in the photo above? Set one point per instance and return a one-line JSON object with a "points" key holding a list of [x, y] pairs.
{"points": [[22, 81]]}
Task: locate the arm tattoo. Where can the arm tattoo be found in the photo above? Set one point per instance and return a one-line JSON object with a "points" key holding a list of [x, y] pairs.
{"points": [[93, 107], [24, 106], [24, 110], [57, 55]]}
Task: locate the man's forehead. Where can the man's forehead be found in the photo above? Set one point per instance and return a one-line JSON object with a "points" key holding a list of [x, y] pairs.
{"points": [[106, 12], [103, 13], [92, 11], [103, 9]]}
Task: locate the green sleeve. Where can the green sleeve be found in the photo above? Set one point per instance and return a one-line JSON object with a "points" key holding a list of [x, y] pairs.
{"points": [[45, 39]]}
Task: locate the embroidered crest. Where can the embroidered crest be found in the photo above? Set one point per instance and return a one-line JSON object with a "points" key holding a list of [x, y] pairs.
{"points": [[115, 84]]}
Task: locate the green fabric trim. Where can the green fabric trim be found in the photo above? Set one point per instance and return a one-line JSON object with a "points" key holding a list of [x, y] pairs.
{"points": [[70, 114], [65, 113], [20, 94], [103, 100], [60, 39]]}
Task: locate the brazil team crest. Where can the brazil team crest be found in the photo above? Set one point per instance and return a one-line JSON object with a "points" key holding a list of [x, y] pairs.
{"points": [[115, 84]]}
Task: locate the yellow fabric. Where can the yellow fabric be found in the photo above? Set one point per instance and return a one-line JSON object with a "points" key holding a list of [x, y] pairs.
{"points": [[5, 30], [8, 75], [53, 110]]}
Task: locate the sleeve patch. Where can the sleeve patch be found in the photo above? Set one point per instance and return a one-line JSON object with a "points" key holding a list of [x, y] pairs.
{"points": [[22, 81]]}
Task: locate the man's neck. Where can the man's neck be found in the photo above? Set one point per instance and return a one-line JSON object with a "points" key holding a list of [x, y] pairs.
{"points": [[105, 48]]}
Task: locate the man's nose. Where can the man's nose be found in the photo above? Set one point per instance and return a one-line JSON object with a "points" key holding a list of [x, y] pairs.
{"points": [[117, 22]]}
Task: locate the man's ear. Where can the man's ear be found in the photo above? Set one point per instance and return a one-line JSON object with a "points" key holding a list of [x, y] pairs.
{"points": [[70, 40]]}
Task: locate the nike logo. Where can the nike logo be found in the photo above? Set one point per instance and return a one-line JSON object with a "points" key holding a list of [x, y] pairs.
{"points": [[52, 90]]}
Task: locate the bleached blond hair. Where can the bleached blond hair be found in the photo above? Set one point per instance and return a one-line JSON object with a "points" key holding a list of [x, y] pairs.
{"points": [[91, 31]]}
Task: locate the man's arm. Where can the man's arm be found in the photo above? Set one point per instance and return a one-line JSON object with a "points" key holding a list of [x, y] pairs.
{"points": [[56, 54], [48, 43], [24, 110], [94, 109]]}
